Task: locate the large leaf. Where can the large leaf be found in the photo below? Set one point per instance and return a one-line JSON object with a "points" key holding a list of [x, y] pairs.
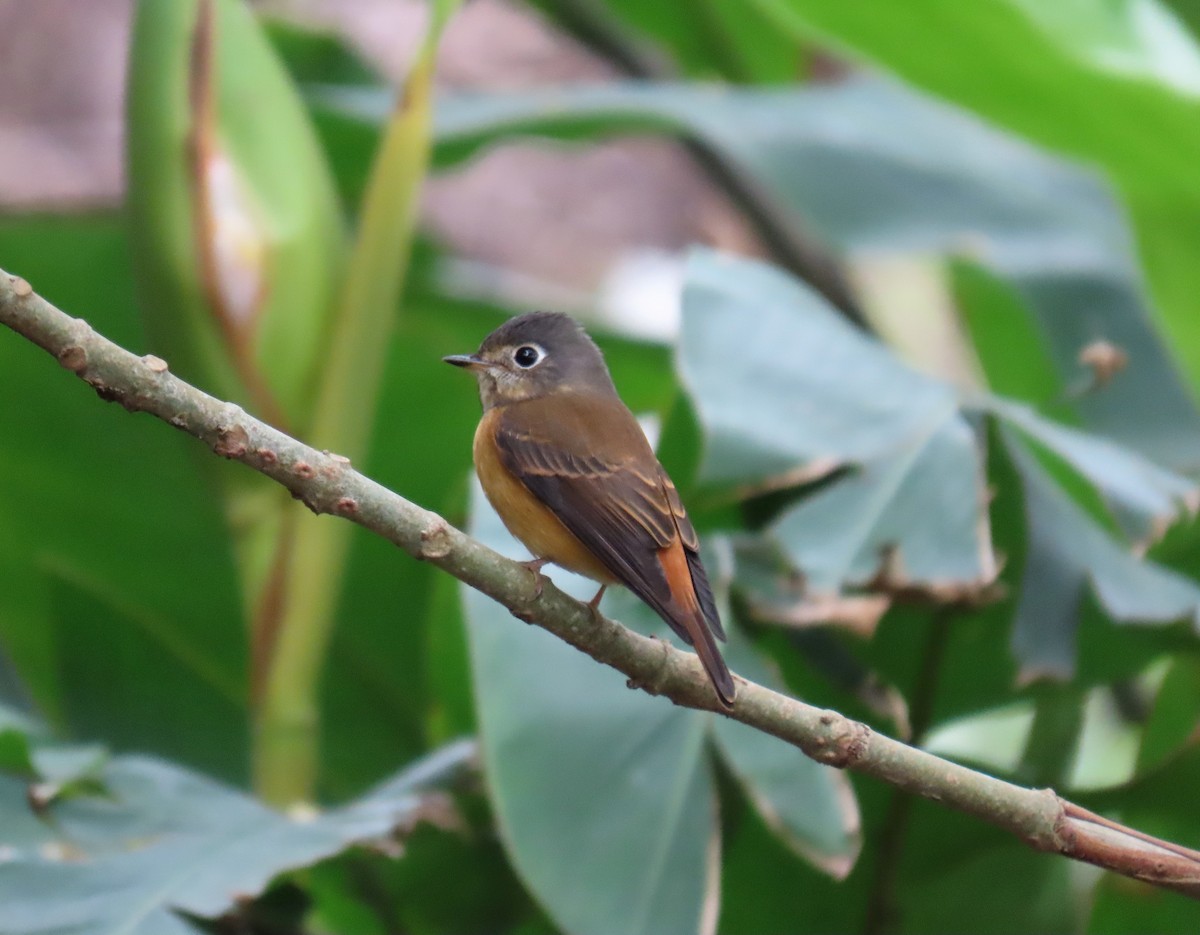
{"points": [[876, 523], [958, 876], [1036, 68], [802, 387], [604, 796], [163, 842], [240, 238], [135, 677], [810, 807], [1067, 553]]}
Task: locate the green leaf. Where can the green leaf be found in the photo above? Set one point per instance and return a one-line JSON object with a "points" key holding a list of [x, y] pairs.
{"points": [[810, 807], [238, 233], [1147, 498], [316, 55], [1007, 341], [877, 522], [159, 687], [241, 247], [705, 38], [1172, 722], [765, 889], [164, 842], [1120, 906], [833, 397], [1067, 553], [982, 883], [455, 879], [1028, 66], [844, 397]]}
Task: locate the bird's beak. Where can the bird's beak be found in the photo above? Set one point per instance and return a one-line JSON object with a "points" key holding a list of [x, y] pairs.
{"points": [[470, 361]]}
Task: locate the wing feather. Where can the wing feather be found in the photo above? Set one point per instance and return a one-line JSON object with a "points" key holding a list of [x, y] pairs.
{"points": [[619, 502]]}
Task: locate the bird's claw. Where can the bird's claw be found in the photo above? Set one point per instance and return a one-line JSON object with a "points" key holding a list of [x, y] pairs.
{"points": [[539, 580], [594, 603]]}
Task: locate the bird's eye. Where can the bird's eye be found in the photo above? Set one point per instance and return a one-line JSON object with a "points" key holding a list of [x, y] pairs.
{"points": [[526, 356]]}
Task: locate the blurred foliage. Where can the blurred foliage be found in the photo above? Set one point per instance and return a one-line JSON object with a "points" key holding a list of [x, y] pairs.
{"points": [[1001, 565], [113, 854]]}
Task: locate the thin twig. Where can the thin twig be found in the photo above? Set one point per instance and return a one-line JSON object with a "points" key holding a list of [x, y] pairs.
{"points": [[327, 484]]}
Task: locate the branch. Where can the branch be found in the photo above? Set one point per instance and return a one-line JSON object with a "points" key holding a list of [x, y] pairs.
{"points": [[327, 484]]}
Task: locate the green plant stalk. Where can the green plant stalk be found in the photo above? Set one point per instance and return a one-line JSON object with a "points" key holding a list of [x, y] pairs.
{"points": [[1053, 743], [314, 552]]}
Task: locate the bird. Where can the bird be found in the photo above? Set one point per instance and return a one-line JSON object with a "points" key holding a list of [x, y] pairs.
{"points": [[569, 471]]}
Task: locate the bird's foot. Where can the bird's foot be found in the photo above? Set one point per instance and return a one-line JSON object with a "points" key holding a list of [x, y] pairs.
{"points": [[594, 603], [539, 580]]}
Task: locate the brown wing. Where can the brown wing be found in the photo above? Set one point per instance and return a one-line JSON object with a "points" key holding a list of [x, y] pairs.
{"points": [[589, 462]]}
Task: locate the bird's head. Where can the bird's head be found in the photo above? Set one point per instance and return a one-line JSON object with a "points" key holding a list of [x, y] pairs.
{"points": [[536, 355]]}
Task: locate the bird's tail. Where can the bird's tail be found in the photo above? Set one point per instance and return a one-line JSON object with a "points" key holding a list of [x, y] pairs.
{"points": [[692, 613], [710, 658]]}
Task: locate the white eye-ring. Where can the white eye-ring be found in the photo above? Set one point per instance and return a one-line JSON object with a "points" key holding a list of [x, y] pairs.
{"points": [[528, 355]]}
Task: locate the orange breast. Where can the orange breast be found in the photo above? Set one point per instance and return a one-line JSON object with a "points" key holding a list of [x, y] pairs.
{"points": [[526, 517]]}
